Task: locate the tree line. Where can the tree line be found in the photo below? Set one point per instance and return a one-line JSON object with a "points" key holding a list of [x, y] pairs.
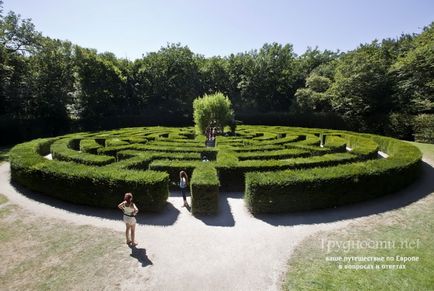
{"points": [[376, 87]]}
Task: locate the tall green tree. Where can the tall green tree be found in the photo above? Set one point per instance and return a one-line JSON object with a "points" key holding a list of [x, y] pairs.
{"points": [[240, 72], [100, 87], [273, 82], [313, 98], [361, 85], [312, 59], [17, 35], [172, 75], [53, 83], [18, 39], [214, 75], [414, 74]]}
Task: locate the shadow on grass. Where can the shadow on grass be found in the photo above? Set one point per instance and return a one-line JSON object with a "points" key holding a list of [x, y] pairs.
{"points": [[166, 217], [416, 191], [140, 255]]}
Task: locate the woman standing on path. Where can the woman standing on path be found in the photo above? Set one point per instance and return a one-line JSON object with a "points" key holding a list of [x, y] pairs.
{"points": [[183, 184], [130, 210]]}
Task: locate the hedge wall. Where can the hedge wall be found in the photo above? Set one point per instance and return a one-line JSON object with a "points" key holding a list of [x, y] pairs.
{"points": [[424, 128], [204, 188], [280, 168], [82, 184], [62, 150], [283, 191]]}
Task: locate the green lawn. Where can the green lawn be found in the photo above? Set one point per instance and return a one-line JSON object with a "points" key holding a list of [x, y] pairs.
{"points": [[407, 232], [427, 149], [3, 199], [45, 254]]}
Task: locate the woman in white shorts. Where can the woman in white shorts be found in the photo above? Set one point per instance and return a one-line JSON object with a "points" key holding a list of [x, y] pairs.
{"points": [[130, 210]]}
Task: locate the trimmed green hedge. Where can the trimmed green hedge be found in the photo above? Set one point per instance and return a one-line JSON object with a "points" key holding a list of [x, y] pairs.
{"points": [[89, 146], [173, 167], [257, 148], [116, 142], [362, 146], [204, 188], [307, 189], [277, 154], [280, 168], [83, 184], [232, 176], [63, 150]]}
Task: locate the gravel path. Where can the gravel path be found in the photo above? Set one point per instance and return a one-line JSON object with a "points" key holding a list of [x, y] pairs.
{"points": [[231, 251]]}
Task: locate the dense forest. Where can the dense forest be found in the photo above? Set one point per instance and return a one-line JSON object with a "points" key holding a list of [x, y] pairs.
{"points": [[50, 86]]}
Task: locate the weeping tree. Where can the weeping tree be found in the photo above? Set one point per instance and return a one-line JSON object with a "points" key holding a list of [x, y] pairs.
{"points": [[212, 111]]}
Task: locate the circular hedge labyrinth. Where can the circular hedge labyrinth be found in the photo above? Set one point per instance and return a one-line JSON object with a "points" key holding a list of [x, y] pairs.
{"points": [[280, 169]]}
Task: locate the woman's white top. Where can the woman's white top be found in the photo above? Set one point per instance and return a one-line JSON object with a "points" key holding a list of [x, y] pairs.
{"points": [[129, 210], [183, 183]]}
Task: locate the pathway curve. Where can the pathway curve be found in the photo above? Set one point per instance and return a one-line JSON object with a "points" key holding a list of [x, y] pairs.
{"points": [[231, 251]]}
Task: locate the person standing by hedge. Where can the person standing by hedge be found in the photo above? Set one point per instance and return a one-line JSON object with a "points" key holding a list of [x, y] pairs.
{"points": [[183, 184], [130, 210]]}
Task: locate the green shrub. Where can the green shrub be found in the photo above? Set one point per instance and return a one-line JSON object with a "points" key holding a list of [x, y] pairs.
{"points": [[210, 153], [126, 154], [288, 172], [82, 184], [335, 142], [232, 177], [283, 140], [362, 146], [400, 125], [254, 148], [113, 150], [277, 154], [115, 142], [424, 128], [265, 136], [177, 143], [204, 190], [62, 150], [89, 146], [215, 108], [306, 189], [173, 167]]}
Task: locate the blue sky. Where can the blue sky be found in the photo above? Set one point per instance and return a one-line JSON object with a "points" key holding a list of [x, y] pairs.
{"points": [[130, 28]]}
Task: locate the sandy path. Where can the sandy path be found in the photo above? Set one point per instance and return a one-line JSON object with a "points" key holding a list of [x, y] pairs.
{"points": [[232, 251]]}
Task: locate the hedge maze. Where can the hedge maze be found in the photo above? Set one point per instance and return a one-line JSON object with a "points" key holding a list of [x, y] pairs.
{"points": [[280, 169]]}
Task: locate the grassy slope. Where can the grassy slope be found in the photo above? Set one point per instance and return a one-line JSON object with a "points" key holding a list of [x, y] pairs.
{"points": [[308, 269], [427, 149], [42, 254]]}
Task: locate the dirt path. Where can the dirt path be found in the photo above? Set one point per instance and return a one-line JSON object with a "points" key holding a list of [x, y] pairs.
{"points": [[232, 251]]}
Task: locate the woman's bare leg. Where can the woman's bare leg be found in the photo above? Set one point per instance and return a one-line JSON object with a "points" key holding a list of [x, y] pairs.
{"points": [[127, 233], [133, 234]]}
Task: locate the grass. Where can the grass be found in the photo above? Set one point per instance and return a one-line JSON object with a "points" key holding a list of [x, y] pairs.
{"points": [[427, 149], [3, 199], [407, 232], [46, 254]]}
